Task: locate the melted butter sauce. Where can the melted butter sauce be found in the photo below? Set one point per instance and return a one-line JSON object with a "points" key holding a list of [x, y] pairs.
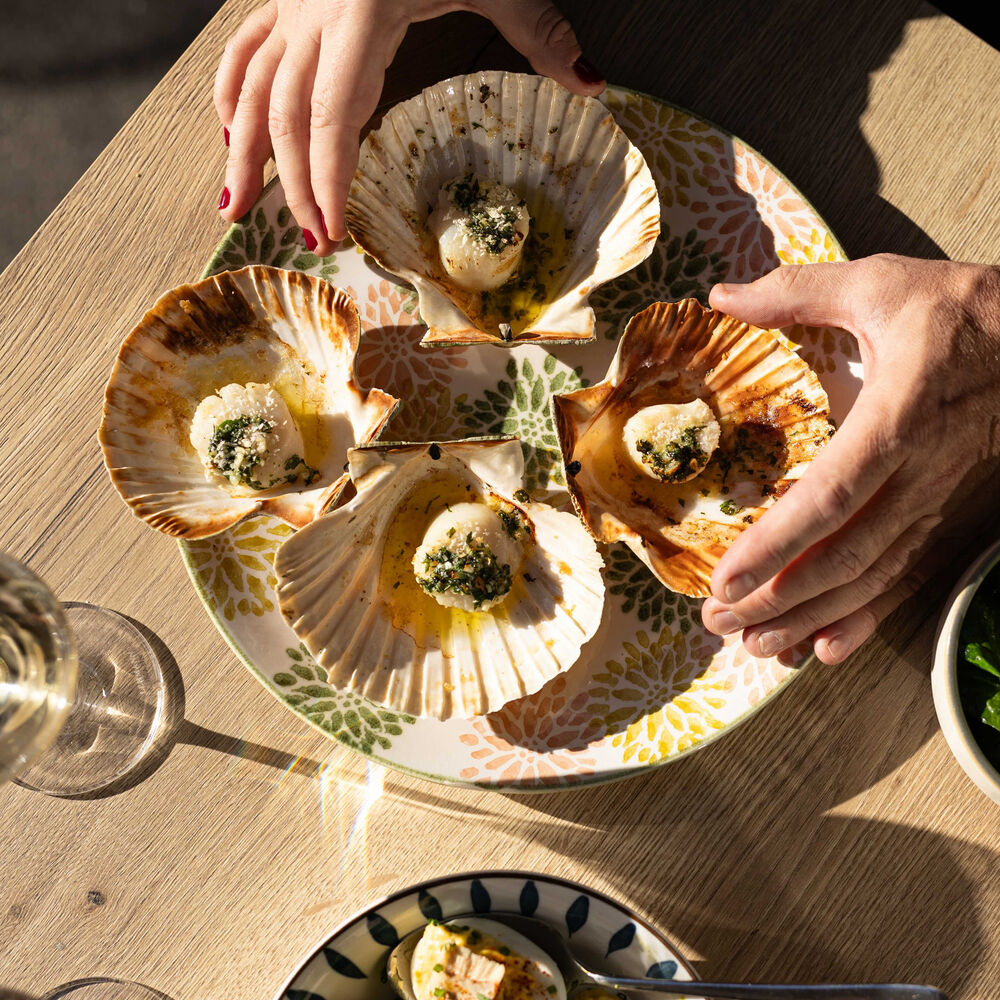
{"points": [[407, 607]]}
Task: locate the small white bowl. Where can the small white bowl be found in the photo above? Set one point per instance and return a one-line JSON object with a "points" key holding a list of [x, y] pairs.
{"points": [[944, 677]]}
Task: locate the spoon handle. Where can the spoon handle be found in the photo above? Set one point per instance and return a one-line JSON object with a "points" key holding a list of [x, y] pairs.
{"points": [[774, 991]]}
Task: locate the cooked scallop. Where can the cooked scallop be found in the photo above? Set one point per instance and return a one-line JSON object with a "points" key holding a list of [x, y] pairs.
{"points": [[237, 395], [434, 591], [680, 367], [480, 226], [672, 442], [247, 439]]}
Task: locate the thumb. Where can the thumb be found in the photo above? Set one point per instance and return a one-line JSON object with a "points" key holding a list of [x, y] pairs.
{"points": [[540, 32], [809, 294]]}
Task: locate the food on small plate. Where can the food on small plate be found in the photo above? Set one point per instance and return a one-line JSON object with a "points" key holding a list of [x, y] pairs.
{"points": [[701, 423], [505, 200], [237, 395], [246, 439], [440, 589], [480, 226], [478, 958]]}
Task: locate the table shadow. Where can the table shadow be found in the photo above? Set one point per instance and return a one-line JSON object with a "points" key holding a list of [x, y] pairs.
{"points": [[176, 729], [804, 115]]}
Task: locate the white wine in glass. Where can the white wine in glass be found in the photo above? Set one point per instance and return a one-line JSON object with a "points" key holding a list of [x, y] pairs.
{"points": [[38, 668], [82, 693]]}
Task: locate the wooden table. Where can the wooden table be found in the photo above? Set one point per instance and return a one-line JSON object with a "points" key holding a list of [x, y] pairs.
{"points": [[832, 836]]}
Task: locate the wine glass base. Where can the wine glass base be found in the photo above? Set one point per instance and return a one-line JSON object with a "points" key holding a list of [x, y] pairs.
{"points": [[116, 715], [101, 988]]}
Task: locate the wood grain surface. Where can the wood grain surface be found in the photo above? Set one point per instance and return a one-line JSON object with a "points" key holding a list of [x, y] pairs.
{"points": [[832, 836]]}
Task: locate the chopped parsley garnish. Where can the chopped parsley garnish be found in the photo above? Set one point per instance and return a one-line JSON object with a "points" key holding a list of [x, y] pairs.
{"points": [[296, 467], [474, 573], [438, 967], [522, 496], [728, 507], [493, 227], [237, 447], [466, 193], [677, 460], [513, 521]]}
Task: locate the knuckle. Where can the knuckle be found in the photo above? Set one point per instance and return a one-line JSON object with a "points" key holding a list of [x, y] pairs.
{"points": [[767, 604], [846, 564], [252, 92], [553, 30], [833, 503], [281, 124]]}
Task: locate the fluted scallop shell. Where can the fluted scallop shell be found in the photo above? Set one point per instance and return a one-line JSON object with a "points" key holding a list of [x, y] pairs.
{"points": [[586, 186], [346, 586], [260, 324], [772, 412]]}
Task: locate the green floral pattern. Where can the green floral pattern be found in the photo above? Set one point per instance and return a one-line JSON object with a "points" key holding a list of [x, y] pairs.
{"points": [[641, 594], [679, 267], [652, 684], [349, 719], [520, 406], [259, 238]]}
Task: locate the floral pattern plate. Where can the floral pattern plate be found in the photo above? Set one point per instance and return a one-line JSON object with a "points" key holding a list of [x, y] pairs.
{"points": [[350, 963], [652, 684]]}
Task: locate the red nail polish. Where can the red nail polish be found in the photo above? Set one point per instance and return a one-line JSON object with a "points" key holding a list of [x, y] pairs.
{"points": [[225, 135], [224, 199], [586, 72], [322, 219], [309, 239]]}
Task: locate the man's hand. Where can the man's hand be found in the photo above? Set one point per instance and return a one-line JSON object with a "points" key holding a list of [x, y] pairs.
{"points": [[909, 478], [301, 78]]}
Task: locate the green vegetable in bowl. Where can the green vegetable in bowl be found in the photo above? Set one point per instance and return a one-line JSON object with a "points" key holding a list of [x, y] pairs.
{"points": [[979, 669]]}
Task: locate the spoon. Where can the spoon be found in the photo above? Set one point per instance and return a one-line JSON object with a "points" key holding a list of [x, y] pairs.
{"points": [[577, 975]]}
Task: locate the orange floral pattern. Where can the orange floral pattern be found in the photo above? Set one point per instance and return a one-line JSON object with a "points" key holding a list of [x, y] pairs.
{"points": [[652, 684]]}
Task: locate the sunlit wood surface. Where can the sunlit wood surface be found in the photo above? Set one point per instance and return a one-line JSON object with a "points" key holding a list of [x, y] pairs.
{"points": [[831, 837]]}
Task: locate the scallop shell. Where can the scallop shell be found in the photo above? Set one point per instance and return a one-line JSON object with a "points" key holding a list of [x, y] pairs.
{"points": [[346, 586], [260, 324], [586, 187], [772, 412]]}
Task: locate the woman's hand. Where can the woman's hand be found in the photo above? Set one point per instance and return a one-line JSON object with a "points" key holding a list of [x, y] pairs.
{"points": [[301, 77], [908, 479]]}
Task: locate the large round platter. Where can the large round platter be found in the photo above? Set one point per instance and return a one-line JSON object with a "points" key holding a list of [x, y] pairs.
{"points": [[350, 963], [652, 684]]}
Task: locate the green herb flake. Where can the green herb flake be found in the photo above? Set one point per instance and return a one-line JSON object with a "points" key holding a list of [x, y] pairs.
{"points": [[438, 967], [728, 507], [474, 572], [236, 449], [677, 460]]}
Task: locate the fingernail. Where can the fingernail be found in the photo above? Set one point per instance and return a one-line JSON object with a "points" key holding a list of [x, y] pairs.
{"points": [[224, 199], [309, 239], [725, 622], [738, 588], [586, 72], [769, 643], [838, 647], [225, 135]]}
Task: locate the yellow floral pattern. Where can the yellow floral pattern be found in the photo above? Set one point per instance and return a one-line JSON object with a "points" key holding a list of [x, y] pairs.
{"points": [[661, 698], [236, 567], [652, 684]]}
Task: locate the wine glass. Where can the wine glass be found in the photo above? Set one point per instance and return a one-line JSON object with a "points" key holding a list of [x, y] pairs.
{"points": [[82, 693]]}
